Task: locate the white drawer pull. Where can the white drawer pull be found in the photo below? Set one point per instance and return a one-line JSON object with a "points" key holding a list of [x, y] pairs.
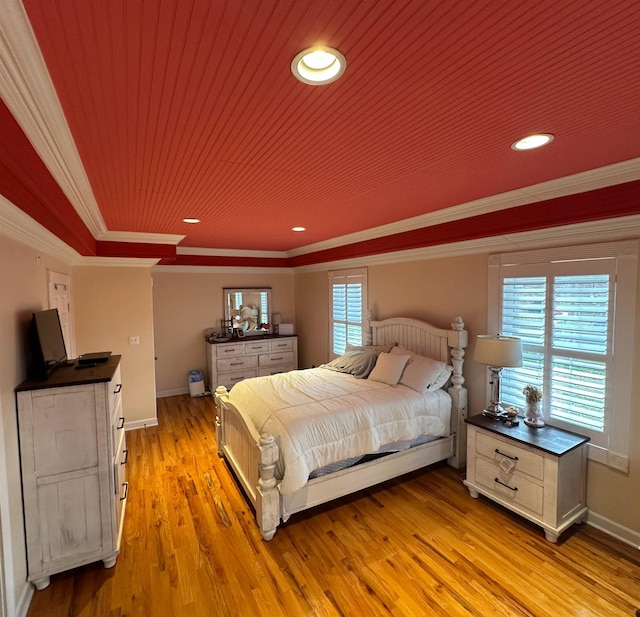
{"points": [[511, 488], [513, 458]]}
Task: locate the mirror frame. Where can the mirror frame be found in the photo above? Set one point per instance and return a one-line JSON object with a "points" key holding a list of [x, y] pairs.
{"points": [[226, 297]]}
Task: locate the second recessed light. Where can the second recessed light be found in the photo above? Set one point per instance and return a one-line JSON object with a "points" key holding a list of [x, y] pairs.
{"points": [[318, 65], [532, 141]]}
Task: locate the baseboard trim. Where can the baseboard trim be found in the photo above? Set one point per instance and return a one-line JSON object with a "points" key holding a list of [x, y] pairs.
{"points": [[132, 426], [624, 534], [174, 392], [25, 601]]}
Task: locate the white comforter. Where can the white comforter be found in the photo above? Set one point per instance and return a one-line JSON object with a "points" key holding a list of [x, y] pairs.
{"points": [[320, 417]]}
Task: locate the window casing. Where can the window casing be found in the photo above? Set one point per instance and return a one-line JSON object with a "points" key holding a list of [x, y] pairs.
{"points": [[348, 301], [574, 309]]}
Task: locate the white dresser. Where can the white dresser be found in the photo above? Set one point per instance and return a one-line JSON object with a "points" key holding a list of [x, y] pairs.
{"points": [[539, 473], [73, 457], [231, 362]]}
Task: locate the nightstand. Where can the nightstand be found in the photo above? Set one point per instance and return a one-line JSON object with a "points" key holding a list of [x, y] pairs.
{"points": [[538, 473]]}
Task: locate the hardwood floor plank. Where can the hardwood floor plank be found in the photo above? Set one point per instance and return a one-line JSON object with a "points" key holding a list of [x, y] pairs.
{"points": [[414, 546]]}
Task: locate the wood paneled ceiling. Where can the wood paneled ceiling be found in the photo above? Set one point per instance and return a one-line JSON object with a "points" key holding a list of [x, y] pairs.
{"points": [[188, 108]]}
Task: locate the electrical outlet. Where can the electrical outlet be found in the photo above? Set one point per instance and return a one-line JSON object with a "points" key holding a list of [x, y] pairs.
{"points": [[134, 340]]}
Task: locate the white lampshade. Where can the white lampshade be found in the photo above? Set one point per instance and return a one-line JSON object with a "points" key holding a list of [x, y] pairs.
{"points": [[497, 350]]}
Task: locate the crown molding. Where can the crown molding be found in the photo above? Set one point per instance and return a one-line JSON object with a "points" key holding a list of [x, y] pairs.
{"points": [[622, 228], [187, 250], [116, 262], [19, 226], [609, 175], [222, 270], [27, 90], [140, 237]]}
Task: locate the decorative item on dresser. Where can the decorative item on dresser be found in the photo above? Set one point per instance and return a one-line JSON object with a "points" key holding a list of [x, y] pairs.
{"points": [[231, 362], [538, 473], [73, 456], [284, 472]]}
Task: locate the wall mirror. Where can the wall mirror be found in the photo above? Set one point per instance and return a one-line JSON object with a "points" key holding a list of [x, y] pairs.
{"points": [[247, 310]]}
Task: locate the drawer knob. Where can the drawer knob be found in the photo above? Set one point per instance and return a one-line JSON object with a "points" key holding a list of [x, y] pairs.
{"points": [[513, 458], [511, 488]]}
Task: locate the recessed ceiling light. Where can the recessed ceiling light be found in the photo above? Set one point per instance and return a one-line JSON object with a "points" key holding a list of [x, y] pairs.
{"points": [[190, 220], [298, 229], [318, 65], [532, 141]]}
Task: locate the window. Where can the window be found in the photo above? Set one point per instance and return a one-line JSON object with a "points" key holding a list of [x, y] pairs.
{"points": [[348, 299], [574, 310]]}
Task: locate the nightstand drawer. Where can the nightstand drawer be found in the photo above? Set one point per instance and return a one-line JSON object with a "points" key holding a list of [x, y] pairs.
{"points": [[512, 488], [524, 460]]}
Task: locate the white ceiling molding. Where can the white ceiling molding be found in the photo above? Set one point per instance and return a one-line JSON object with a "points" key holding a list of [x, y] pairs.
{"points": [[222, 270], [627, 227], [117, 262], [27, 90], [188, 250], [19, 226], [610, 175], [140, 237]]}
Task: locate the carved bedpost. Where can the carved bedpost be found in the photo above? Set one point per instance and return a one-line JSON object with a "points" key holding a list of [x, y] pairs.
{"points": [[268, 502], [458, 339], [220, 394], [366, 331]]}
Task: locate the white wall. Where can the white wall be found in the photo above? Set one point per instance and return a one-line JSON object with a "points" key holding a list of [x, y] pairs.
{"points": [[110, 305], [23, 280], [187, 303]]}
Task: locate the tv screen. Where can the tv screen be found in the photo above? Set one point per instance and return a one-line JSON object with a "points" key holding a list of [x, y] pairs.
{"points": [[47, 342]]}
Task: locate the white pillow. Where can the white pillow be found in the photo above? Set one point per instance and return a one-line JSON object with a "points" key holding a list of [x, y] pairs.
{"points": [[442, 378], [388, 368], [422, 373]]}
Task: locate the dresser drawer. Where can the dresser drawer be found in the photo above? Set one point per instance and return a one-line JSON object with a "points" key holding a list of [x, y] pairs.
{"points": [[225, 351], [230, 379], [256, 347], [504, 453], [274, 370], [236, 363], [281, 345], [115, 387], [270, 359], [512, 488]]}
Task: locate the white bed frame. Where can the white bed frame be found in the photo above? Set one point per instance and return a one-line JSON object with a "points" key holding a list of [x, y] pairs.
{"points": [[253, 456]]}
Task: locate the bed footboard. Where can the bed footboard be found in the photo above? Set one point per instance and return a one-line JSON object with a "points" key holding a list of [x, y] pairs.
{"points": [[253, 459]]}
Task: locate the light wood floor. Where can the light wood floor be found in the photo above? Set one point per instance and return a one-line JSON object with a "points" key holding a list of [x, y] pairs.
{"points": [[417, 546]]}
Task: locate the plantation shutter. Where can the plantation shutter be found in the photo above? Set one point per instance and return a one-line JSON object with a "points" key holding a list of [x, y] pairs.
{"points": [[348, 295]]}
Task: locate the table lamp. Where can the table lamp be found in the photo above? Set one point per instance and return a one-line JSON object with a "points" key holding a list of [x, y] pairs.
{"points": [[275, 322], [497, 352]]}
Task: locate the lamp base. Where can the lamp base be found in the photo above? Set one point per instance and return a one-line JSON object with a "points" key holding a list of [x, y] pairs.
{"points": [[492, 411]]}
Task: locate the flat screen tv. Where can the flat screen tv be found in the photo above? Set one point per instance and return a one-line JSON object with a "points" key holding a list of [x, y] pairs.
{"points": [[47, 343]]}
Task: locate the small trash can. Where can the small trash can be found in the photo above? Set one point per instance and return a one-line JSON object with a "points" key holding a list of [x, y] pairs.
{"points": [[196, 383]]}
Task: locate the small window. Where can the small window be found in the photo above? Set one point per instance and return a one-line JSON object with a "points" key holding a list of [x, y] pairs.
{"points": [[348, 298]]}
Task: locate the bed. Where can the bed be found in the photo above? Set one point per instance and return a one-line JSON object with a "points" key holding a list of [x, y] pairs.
{"points": [[278, 470]]}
